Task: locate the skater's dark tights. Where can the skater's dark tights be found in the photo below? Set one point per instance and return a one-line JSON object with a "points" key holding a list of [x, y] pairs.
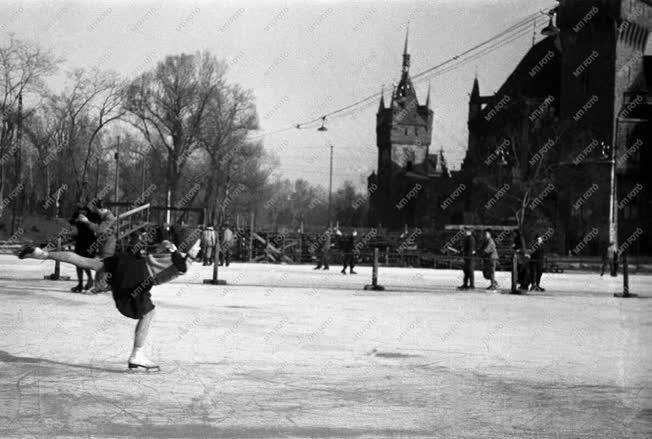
{"points": [[80, 275]]}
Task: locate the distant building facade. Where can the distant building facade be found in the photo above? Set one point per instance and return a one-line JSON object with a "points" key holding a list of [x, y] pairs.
{"points": [[540, 145]]}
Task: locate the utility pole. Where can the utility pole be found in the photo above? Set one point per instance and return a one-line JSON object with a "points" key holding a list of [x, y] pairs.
{"points": [[330, 189], [613, 202], [16, 211], [117, 188]]}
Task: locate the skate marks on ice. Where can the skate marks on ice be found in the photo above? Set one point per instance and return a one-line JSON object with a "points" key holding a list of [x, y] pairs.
{"points": [[369, 395]]}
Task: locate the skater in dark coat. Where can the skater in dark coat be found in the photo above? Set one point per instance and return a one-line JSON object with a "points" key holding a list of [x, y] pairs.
{"points": [[468, 251], [349, 251], [84, 238], [522, 263]]}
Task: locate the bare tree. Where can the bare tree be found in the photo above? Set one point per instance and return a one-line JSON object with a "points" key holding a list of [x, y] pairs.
{"points": [[234, 161], [167, 105], [23, 67], [90, 101]]}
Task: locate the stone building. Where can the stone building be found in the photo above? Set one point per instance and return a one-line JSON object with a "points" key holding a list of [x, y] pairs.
{"points": [[606, 81], [542, 144]]}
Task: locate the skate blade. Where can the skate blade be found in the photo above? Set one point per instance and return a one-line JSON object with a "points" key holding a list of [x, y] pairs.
{"points": [[141, 368]]}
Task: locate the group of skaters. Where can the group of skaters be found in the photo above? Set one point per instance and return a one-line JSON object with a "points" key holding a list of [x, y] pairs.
{"points": [[209, 248], [530, 261], [348, 246]]}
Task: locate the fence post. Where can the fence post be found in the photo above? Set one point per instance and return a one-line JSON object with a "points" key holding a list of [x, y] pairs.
{"points": [[251, 238], [374, 274], [514, 289], [57, 266], [216, 262], [625, 294]]}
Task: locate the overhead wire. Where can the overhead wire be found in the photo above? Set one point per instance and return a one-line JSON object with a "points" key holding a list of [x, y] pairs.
{"points": [[512, 33]]}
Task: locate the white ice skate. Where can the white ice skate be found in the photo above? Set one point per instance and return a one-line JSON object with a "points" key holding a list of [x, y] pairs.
{"points": [[139, 361]]}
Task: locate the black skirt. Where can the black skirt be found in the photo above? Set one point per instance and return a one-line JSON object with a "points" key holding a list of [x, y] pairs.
{"points": [[130, 283]]}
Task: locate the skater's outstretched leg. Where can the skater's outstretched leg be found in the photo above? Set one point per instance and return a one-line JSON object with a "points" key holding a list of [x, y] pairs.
{"points": [[61, 256]]}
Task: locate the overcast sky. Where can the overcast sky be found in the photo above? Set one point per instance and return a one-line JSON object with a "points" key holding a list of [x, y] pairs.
{"points": [[301, 59]]}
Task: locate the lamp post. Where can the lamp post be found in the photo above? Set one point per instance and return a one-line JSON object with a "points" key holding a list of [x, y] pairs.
{"points": [[610, 151], [323, 128], [613, 198], [116, 190]]}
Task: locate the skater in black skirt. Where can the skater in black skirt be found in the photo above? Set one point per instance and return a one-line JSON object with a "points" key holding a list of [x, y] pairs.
{"points": [[131, 278]]}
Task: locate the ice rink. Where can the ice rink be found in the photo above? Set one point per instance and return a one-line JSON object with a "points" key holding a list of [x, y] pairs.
{"points": [[288, 352]]}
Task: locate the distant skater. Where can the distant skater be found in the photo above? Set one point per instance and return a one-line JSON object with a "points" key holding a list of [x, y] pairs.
{"points": [[468, 251], [227, 244], [208, 241], [131, 278], [537, 263], [84, 238], [610, 259], [324, 256], [349, 250], [491, 260]]}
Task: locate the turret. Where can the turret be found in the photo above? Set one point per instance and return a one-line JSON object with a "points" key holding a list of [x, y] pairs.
{"points": [[475, 104]]}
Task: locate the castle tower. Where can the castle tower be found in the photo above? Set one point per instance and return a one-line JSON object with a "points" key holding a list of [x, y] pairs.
{"points": [[404, 129], [403, 136]]}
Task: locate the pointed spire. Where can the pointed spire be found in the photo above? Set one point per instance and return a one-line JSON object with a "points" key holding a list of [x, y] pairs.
{"points": [[406, 55], [407, 34], [475, 92], [428, 97], [381, 106]]}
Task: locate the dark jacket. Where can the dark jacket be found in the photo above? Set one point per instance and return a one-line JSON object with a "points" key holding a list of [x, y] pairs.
{"points": [[468, 248], [538, 256], [84, 236], [348, 242]]}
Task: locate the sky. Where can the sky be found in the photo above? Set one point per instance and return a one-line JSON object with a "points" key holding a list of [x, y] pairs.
{"points": [[302, 59]]}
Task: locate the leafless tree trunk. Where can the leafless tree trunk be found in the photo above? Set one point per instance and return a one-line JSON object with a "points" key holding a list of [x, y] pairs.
{"points": [[167, 105]]}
